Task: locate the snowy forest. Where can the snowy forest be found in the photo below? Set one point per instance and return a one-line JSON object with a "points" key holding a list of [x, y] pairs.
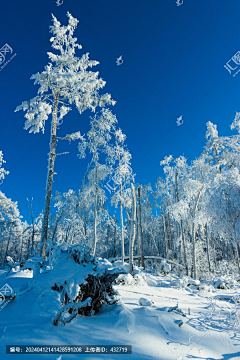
{"points": [[185, 225], [191, 215]]}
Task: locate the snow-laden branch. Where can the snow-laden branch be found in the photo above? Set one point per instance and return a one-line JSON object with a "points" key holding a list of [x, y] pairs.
{"points": [[70, 137]]}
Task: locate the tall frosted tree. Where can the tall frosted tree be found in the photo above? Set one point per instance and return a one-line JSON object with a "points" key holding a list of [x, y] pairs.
{"points": [[97, 142], [65, 81]]}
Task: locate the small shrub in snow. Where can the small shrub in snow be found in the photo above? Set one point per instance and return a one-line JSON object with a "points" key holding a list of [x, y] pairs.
{"points": [[221, 284]]}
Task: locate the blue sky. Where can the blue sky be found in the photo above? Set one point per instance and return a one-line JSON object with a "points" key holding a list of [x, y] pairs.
{"points": [[173, 64]]}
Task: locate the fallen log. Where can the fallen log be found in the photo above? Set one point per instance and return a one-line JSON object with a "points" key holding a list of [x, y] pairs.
{"points": [[96, 291]]}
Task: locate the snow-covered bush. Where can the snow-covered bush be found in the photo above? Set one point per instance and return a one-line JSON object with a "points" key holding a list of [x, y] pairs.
{"points": [[181, 283], [144, 302], [166, 268], [128, 279]]}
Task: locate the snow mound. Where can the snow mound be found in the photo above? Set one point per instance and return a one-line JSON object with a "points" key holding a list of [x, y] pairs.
{"points": [[139, 280], [125, 279], [181, 283], [77, 284], [144, 302], [166, 268], [150, 280], [128, 279], [221, 284], [193, 282]]}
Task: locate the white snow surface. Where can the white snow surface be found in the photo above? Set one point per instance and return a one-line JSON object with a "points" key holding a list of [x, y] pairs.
{"points": [[153, 331]]}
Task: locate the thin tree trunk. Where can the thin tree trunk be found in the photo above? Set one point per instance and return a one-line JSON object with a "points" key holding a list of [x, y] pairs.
{"points": [[184, 248], [1, 252], [193, 236], [114, 241], [207, 242], [95, 211], [33, 229], [51, 160], [214, 250], [141, 230], [237, 255], [165, 237], [131, 243], [57, 222], [154, 241], [6, 250], [138, 232], [28, 247], [107, 240], [168, 228], [121, 215]]}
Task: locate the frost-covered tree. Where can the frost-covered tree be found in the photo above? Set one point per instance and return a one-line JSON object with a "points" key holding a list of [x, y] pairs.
{"points": [[9, 223], [3, 172], [97, 141], [65, 81], [117, 153]]}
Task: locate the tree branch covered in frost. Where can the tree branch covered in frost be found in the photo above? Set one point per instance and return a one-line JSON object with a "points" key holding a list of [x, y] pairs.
{"points": [[3, 172], [236, 122], [73, 136], [66, 76]]}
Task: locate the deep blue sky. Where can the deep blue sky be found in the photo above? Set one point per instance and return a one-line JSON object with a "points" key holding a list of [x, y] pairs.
{"points": [[173, 65]]}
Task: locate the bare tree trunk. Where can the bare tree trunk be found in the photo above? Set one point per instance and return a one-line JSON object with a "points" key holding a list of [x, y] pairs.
{"points": [[237, 255], [154, 242], [236, 246], [207, 242], [95, 212], [33, 229], [184, 248], [51, 160], [28, 247], [107, 239], [138, 231], [168, 228], [214, 250], [57, 222], [6, 250], [141, 230], [121, 215], [131, 242], [193, 236], [1, 252], [165, 237], [114, 242]]}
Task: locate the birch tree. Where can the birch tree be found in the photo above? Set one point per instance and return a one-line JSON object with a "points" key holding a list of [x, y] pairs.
{"points": [[65, 81], [97, 141], [123, 176], [133, 232]]}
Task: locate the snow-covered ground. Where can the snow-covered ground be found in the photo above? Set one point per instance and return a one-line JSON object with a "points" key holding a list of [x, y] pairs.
{"points": [[209, 332]]}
